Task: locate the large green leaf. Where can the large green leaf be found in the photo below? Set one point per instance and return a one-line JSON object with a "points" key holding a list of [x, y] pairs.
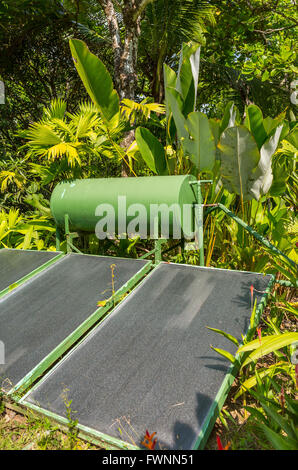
{"points": [[225, 354], [96, 79], [239, 157], [215, 129], [278, 441], [255, 344], [185, 79], [254, 123], [226, 335], [151, 150], [170, 79], [201, 146], [230, 118], [176, 103], [262, 178], [276, 342]]}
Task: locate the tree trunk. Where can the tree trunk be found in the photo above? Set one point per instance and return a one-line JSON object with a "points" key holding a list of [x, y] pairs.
{"points": [[125, 51]]}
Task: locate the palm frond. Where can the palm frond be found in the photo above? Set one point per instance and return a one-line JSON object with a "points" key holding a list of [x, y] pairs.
{"points": [[91, 35], [63, 128], [85, 124], [178, 20], [87, 107], [56, 109], [65, 149], [131, 109], [40, 134]]}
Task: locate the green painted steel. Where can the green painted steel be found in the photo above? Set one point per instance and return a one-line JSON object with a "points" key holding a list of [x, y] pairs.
{"points": [[200, 218], [86, 433], [80, 198]]}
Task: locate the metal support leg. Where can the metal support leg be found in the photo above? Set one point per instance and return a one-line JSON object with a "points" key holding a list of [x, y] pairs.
{"points": [[69, 237], [67, 234], [200, 218], [58, 239]]}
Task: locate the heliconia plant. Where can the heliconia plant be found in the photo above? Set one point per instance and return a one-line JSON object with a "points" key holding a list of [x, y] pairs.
{"points": [[149, 442], [220, 445], [186, 128], [244, 149], [99, 85]]}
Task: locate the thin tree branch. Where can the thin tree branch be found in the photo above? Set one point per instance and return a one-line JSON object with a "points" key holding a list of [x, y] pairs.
{"points": [[270, 31], [141, 5]]}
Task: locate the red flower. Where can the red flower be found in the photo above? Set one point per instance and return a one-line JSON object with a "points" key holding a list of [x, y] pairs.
{"points": [[252, 292], [219, 444], [259, 335], [251, 296], [148, 440]]}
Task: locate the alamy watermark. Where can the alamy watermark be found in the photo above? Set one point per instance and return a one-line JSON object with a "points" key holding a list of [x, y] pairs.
{"points": [[153, 221], [2, 353], [294, 353], [2, 93], [294, 94]]}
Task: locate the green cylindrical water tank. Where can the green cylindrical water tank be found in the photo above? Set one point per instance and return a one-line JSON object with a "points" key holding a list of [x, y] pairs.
{"points": [[80, 200]]}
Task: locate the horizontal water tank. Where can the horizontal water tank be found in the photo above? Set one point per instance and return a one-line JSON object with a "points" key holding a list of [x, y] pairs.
{"points": [[83, 201]]}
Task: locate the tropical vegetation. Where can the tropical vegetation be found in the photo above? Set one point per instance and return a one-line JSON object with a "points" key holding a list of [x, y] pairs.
{"points": [[103, 88]]}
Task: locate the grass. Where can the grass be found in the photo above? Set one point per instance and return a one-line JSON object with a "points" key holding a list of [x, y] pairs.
{"points": [[32, 432]]}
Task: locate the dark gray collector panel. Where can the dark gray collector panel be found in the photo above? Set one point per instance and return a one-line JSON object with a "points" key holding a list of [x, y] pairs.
{"points": [[150, 363]]}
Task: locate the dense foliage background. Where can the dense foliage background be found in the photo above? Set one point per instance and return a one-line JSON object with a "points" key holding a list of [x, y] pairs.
{"points": [[248, 56], [190, 79]]}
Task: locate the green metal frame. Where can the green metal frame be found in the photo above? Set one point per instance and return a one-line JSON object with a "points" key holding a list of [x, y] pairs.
{"points": [[30, 275], [107, 441], [82, 433], [157, 250], [68, 342], [200, 218], [86, 433]]}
